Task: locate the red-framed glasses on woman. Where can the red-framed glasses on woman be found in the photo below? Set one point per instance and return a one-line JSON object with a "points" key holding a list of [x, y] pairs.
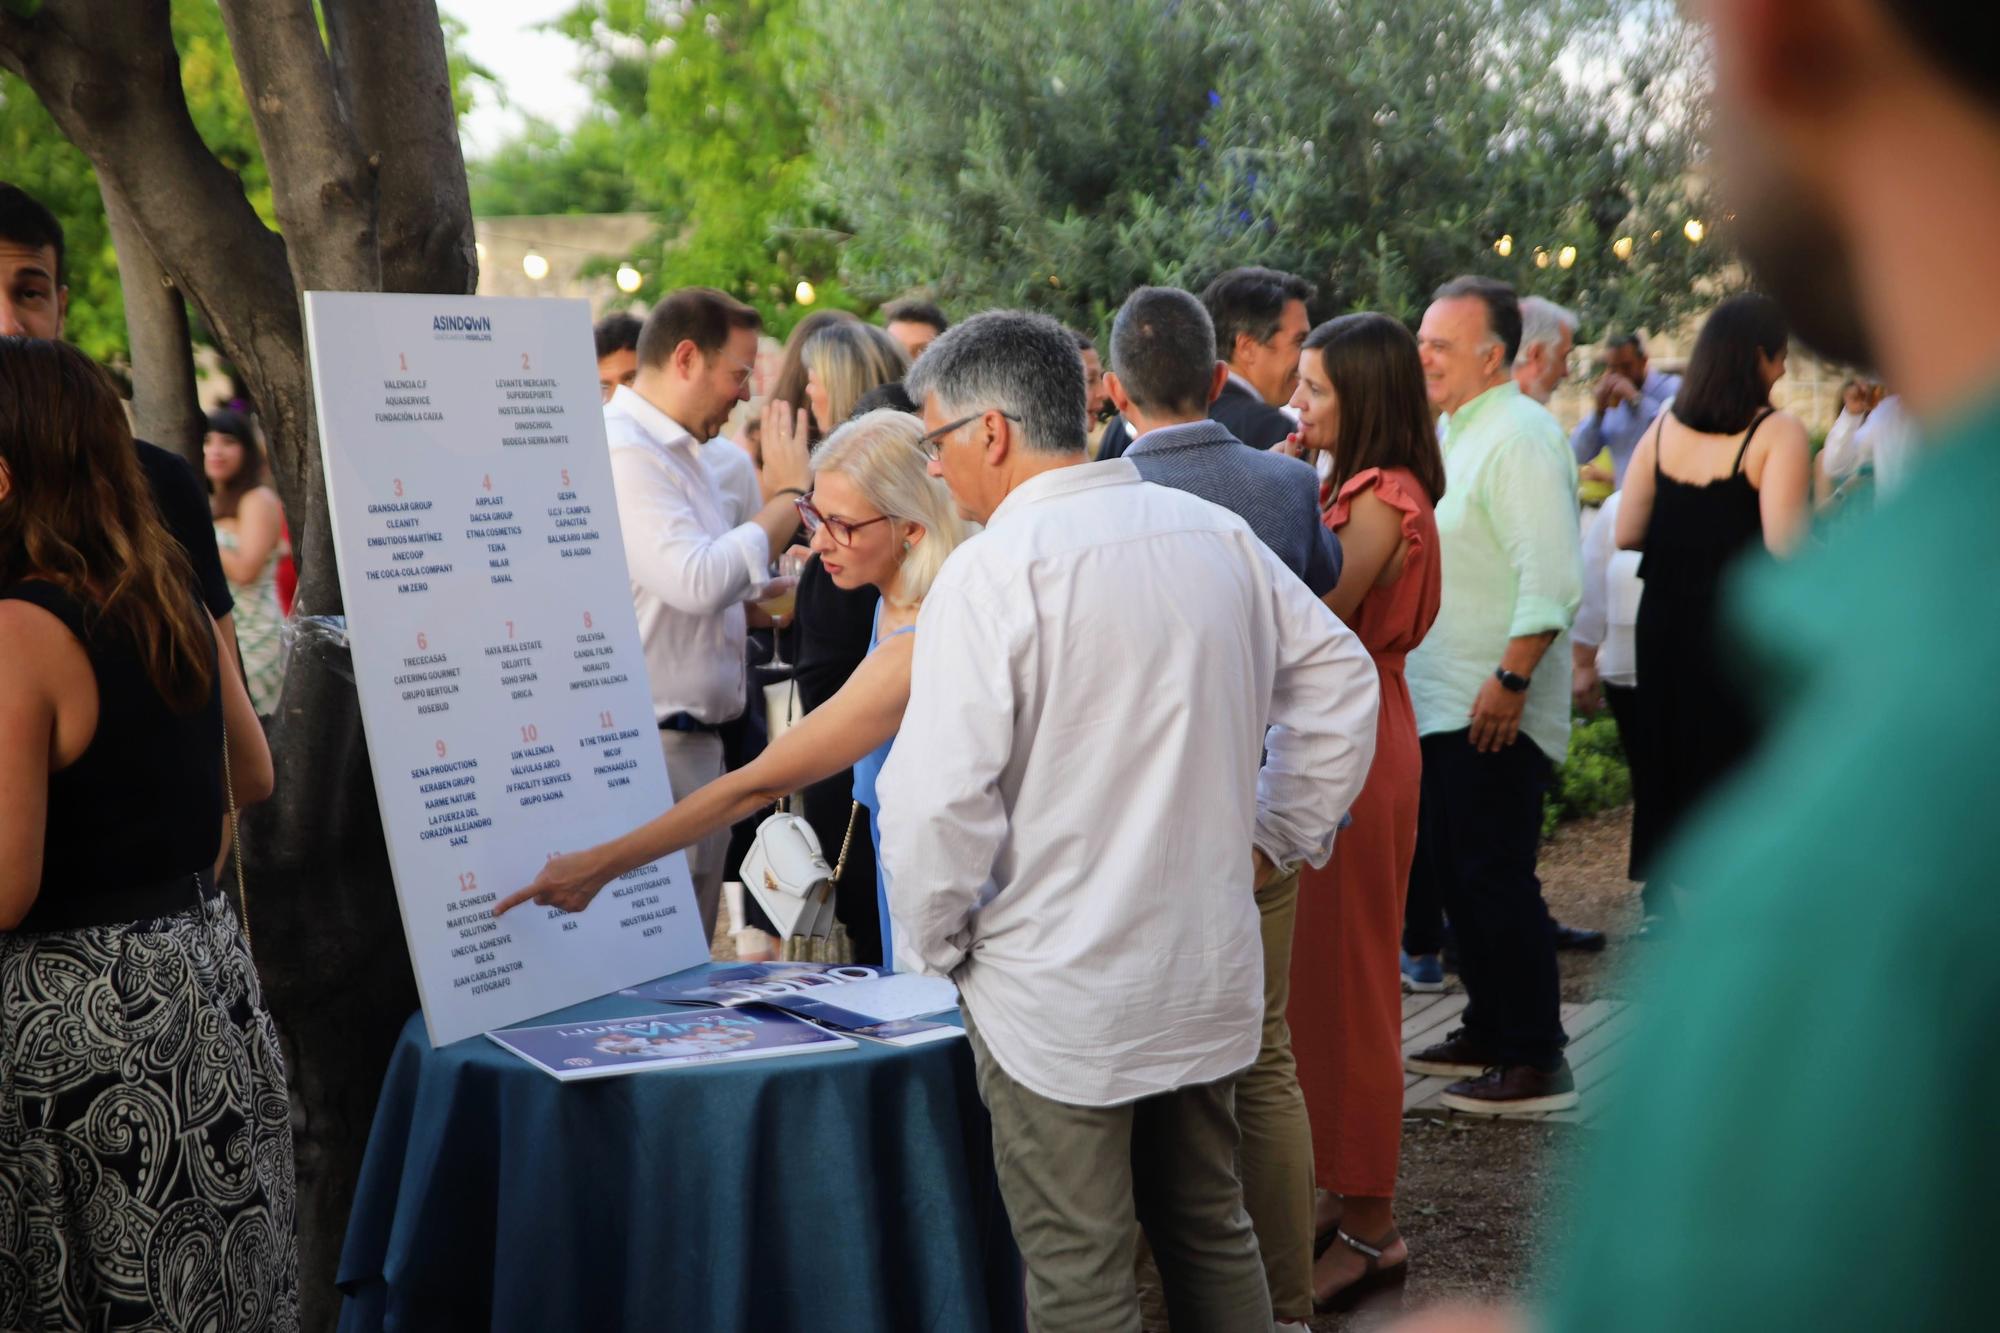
{"points": [[841, 530]]}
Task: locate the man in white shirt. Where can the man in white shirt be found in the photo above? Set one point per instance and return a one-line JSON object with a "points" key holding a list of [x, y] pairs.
{"points": [[692, 565], [1076, 852]]}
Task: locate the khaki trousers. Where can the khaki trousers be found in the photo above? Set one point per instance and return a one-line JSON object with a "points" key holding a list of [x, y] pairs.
{"points": [[1277, 1157], [1074, 1178]]}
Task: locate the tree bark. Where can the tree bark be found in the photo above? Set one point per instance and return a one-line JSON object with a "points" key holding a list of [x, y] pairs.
{"points": [[394, 78], [370, 190], [165, 407]]}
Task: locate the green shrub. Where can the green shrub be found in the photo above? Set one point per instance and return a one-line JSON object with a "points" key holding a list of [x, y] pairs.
{"points": [[1593, 777]]}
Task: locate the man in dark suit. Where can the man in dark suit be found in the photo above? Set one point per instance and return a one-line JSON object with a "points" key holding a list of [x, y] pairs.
{"points": [[1260, 324], [1165, 378]]}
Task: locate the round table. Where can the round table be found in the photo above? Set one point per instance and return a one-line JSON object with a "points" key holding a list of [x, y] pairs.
{"points": [[850, 1190]]}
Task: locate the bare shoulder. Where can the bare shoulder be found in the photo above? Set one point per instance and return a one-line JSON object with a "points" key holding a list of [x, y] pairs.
{"points": [[1781, 435], [36, 645]]}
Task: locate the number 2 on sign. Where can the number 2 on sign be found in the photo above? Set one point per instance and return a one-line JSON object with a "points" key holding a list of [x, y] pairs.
{"points": [[524, 362]]}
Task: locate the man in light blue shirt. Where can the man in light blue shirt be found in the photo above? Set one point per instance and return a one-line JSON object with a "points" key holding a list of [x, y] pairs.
{"points": [[1628, 396], [1491, 685]]}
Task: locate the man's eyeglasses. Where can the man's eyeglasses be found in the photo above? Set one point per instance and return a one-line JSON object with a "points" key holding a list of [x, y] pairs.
{"points": [[932, 442], [840, 529]]}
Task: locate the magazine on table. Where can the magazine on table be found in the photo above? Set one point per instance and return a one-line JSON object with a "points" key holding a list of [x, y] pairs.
{"points": [[663, 1041], [849, 997]]}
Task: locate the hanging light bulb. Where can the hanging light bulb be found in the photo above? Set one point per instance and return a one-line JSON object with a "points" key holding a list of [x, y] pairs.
{"points": [[1694, 231], [1541, 257], [1504, 246], [1622, 247], [534, 266], [1566, 256], [804, 293], [628, 279]]}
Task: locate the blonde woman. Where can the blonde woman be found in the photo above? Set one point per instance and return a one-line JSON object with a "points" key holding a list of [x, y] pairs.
{"points": [[878, 519], [843, 361]]}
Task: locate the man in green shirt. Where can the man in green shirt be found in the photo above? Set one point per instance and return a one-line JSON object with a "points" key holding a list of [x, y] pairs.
{"points": [[1803, 1135], [1491, 688]]}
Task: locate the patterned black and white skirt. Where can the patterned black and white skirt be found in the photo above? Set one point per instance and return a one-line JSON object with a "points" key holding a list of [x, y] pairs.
{"points": [[145, 1133]]}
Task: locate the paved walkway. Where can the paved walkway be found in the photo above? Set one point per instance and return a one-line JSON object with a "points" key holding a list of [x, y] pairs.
{"points": [[1597, 1031]]}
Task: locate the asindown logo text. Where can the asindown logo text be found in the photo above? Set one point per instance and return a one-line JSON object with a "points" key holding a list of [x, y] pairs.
{"points": [[462, 328]]}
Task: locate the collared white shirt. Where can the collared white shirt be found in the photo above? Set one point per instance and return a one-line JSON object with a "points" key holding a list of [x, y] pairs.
{"points": [[735, 476], [691, 567], [1070, 839]]}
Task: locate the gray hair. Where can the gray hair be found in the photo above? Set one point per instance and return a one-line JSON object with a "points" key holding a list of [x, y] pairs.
{"points": [[1543, 324], [1025, 365]]}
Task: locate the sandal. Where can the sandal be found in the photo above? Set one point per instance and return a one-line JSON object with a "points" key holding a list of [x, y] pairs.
{"points": [[1374, 1279]]}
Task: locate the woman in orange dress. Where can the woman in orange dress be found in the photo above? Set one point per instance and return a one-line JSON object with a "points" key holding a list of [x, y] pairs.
{"points": [[1361, 399]]}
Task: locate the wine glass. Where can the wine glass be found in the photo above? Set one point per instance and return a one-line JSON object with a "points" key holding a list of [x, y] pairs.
{"points": [[782, 602]]}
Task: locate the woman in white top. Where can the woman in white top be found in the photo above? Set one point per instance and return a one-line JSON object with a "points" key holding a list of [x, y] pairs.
{"points": [[250, 537]]}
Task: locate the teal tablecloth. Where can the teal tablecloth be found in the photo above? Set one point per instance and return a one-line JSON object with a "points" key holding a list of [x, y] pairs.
{"points": [[847, 1191]]}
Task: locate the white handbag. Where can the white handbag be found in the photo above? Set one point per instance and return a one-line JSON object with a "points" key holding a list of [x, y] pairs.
{"points": [[786, 872]]}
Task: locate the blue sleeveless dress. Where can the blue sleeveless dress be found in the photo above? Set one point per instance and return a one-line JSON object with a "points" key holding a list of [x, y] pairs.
{"points": [[866, 770]]}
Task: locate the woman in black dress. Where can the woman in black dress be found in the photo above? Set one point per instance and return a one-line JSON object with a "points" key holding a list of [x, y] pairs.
{"points": [[1720, 474], [146, 1175]]}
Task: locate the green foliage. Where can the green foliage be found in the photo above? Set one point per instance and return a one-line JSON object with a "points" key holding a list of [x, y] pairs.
{"points": [[35, 156], [1593, 776], [695, 121], [1055, 153]]}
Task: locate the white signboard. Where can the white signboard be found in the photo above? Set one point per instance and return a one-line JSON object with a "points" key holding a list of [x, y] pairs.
{"points": [[489, 611]]}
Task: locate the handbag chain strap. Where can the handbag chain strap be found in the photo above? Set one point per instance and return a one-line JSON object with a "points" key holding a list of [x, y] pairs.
{"points": [[853, 814], [236, 839]]}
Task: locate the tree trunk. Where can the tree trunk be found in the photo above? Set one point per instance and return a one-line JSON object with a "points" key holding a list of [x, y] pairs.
{"points": [[165, 407], [369, 187]]}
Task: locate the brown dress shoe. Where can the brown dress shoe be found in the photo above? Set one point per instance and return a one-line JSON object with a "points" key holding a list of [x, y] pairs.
{"points": [[1457, 1056], [1514, 1090]]}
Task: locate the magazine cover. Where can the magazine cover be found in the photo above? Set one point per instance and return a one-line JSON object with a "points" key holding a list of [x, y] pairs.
{"points": [[908, 1032], [663, 1041], [745, 983]]}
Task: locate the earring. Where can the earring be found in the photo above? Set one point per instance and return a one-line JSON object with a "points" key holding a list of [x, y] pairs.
{"points": [[906, 548]]}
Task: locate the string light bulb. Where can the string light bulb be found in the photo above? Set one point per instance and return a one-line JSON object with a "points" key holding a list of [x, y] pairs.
{"points": [[1504, 246], [534, 266], [1694, 231], [1566, 256], [804, 293], [1541, 257], [1622, 247], [628, 279]]}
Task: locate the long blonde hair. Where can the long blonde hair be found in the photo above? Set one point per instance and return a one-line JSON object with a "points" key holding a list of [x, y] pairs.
{"points": [[879, 452], [850, 358]]}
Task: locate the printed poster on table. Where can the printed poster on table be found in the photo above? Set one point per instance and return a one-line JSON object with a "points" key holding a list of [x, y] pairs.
{"points": [[489, 612]]}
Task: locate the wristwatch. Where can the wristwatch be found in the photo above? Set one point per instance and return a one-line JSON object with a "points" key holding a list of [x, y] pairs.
{"points": [[1510, 682]]}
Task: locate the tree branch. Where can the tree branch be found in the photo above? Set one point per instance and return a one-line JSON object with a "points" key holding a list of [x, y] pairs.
{"points": [[322, 187], [393, 77], [165, 407]]}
